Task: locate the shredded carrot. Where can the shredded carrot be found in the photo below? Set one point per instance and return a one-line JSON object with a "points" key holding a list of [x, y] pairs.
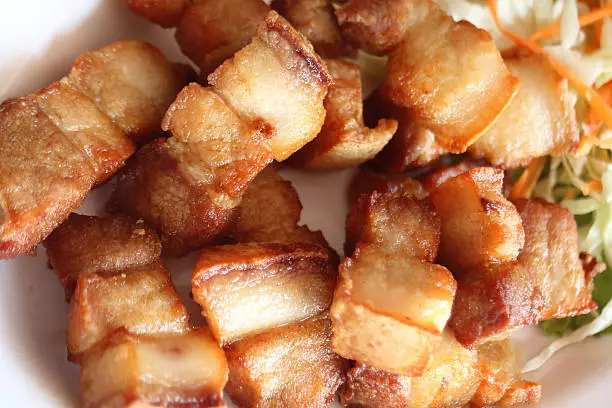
{"points": [[594, 186], [594, 125], [595, 42], [529, 178], [597, 103], [584, 20]]}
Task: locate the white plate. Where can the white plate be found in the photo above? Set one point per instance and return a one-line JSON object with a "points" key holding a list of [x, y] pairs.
{"points": [[39, 39]]}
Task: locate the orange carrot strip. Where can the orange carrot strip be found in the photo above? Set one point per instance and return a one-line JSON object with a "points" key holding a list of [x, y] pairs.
{"points": [[529, 178], [595, 100], [584, 20], [593, 186]]}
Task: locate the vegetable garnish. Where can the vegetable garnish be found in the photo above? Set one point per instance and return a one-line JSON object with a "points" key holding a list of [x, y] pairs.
{"points": [[528, 179], [594, 99]]}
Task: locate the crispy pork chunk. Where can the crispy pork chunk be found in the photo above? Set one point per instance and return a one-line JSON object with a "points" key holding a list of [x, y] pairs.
{"points": [[190, 185], [545, 103], [150, 371], [479, 226], [166, 13], [270, 212], [211, 31], [366, 181], [392, 302], [455, 377], [412, 145], [287, 366], [433, 179], [317, 21], [127, 326], [344, 141], [551, 254], [249, 288], [59, 142], [86, 245], [394, 222]]}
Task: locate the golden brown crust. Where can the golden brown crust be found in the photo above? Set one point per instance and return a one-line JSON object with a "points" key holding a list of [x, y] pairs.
{"points": [[211, 31], [317, 21], [249, 288], [344, 141], [394, 222], [433, 179], [153, 188], [289, 366], [280, 79], [367, 181], [368, 387], [84, 244], [452, 78], [545, 103], [166, 13], [149, 371], [143, 301], [270, 212], [551, 254]]}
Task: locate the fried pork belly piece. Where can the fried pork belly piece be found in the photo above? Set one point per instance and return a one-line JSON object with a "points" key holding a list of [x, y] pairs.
{"points": [[344, 141], [249, 288], [455, 377], [544, 104], [317, 21], [389, 309], [141, 300], [288, 366], [126, 370], [270, 212], [211, 31], [190, 185], [84, 245], [279, 79], [166, 13], [448, 74], [479, 226], [432, 180], [394, 222], [411, 146], [551, 254], [367, 387], [132, 83], [59, 142], [367, 181]]}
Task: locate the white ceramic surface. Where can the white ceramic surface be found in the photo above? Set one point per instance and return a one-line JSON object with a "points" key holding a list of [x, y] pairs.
{"points": [[38, 41]]}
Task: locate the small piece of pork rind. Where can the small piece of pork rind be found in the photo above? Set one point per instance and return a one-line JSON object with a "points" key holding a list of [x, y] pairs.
{"points": [[214, 148], [211, 31], [153, 188], [270, 212], [344, 141], [479, 226], [317, 21], [132, 83], [84, 244], [411, 146], [432, 180], [367, 387], [378, 26], [544, 103], [43, 176], [501, 384], [394, 222], [249, 288], [166, 13], [367, 181], [143, 301], [551, 254], [389, 309], [492, 302], [126, 370], [452, 77], [277, 78], [78, 117], [285, 367]]}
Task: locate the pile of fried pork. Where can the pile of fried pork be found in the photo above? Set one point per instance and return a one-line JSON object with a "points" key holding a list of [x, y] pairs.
{"points": [[438, 271]]}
